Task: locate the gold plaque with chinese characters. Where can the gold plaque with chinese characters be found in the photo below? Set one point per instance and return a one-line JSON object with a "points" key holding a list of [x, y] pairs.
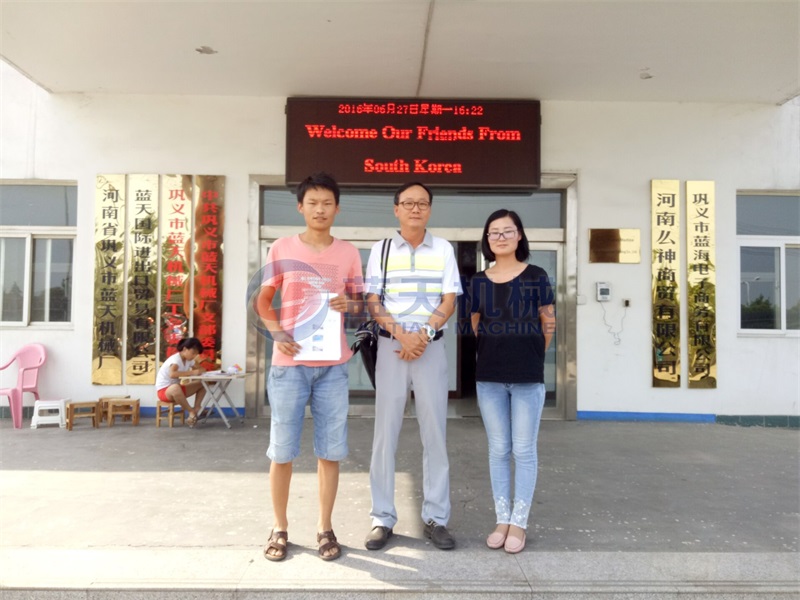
{"points": [[142, 277], [209, 222], [666, 321], [176, 256], [109, 279], [158, 272], [701, 279]]}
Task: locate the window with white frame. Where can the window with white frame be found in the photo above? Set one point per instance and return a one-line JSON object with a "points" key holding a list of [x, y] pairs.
{"points": [[768, 230], [37, 242]]}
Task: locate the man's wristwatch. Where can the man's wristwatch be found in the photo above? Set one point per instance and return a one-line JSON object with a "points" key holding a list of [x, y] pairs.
{"points": [[429, 331]]}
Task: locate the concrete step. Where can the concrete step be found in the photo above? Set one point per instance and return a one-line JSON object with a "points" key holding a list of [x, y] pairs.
{"points": [[409, 569]]}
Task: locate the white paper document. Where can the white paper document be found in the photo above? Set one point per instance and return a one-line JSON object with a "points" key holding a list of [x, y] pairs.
{"points": [[325, 341]]}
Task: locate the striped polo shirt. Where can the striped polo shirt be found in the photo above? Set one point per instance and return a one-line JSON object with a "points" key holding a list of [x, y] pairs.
{"points": [[416, 277]]}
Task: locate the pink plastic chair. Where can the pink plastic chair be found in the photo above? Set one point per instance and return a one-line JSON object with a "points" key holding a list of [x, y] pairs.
{"points": [[30, 358]]}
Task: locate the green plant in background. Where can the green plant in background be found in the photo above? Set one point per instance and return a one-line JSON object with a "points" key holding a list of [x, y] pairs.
{"points": [[761, 314]]}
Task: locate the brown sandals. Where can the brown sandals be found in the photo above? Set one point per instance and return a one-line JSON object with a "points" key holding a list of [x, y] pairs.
{"points": [[279, 549], [272, 544], [331, 544]]}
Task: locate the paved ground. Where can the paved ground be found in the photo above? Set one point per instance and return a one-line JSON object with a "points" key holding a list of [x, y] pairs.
{"points": [[622, 510]]}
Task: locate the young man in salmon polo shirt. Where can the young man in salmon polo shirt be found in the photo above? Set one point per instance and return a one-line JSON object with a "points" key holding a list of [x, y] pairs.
{"points": [[310, 270]]}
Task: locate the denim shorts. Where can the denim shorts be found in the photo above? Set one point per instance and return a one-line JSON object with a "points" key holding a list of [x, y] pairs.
{"points": [[290, 389]]}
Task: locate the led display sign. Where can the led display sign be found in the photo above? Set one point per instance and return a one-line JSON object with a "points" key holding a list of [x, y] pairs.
{"points": [[370, 142]]}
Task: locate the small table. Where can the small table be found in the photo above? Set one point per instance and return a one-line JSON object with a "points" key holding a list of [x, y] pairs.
{"points": [[215, 393]]}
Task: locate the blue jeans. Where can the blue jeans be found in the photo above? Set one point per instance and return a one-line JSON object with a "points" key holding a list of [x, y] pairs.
{"points": [[289, 390], [511, 413]]}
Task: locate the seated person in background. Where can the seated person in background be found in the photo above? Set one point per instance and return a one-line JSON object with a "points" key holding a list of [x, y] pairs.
{"points": [[181, 364]]}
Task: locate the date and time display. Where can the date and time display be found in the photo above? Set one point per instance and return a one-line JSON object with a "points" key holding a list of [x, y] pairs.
{"points": [[409, 108], [381, 142]]}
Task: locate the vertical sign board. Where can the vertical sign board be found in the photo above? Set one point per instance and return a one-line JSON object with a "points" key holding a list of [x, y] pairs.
{"points": [[176, 247], [209, 222], [155, 234], [701, 278], [142, 280], [109, 239], [665, 214]]}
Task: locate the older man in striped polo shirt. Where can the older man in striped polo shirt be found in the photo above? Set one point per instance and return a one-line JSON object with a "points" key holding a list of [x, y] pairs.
{"points": [[421, 287]]}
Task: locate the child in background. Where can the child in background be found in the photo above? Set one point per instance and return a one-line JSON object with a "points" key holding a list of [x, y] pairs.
{"points": [[182, 364]]}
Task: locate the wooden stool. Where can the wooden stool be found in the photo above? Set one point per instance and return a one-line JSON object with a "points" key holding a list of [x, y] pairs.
{"points": [[79, 410], [169, 410], [123, 407], [104, 405]]}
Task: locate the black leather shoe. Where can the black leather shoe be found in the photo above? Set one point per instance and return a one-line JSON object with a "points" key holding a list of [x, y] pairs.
{"points": [[439, 535], [377, 537]]}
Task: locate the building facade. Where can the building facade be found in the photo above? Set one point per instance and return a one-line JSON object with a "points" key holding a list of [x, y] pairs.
{"points": [[598, 162]]}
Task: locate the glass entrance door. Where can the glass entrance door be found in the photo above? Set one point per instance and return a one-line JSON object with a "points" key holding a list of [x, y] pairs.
{"points": [[362, 396], [548, 257], [463, 402], [458, 217]]}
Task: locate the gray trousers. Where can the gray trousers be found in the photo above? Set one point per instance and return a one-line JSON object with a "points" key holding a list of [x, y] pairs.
{"points": [[393, 376]]}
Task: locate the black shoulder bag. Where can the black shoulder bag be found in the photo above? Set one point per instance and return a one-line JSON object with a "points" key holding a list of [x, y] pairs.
{"points": [[366, 343]]}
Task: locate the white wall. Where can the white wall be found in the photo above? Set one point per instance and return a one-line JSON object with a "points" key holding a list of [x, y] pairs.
{"points": [[21, 105], [79, 137], [615, 148]]}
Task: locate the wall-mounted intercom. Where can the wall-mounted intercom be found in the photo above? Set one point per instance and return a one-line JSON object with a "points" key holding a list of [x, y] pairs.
{"points": [[603, 291]]}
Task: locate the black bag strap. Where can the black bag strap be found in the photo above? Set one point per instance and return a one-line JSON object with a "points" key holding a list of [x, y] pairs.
{"points": [[387, 245]]}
